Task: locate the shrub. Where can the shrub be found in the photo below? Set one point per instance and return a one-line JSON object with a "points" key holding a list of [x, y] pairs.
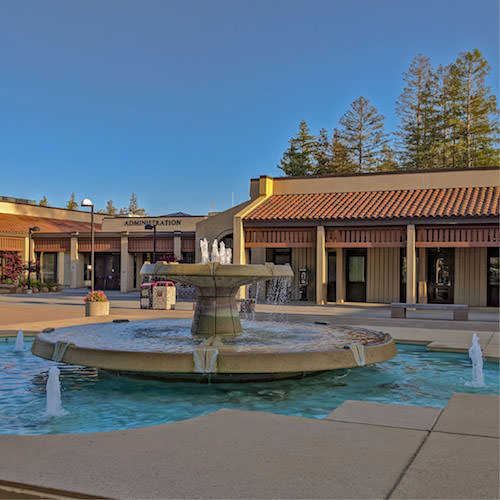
{"points": [[13, 265], [96, 296]]}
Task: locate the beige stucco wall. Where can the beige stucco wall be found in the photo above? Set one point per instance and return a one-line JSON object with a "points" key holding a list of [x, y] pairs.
{"points": [[382, 275], [383, 182], [470, 276], [216, 226]]}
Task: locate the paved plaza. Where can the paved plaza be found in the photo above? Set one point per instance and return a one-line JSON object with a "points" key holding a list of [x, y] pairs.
{"points": [[360, 450]]}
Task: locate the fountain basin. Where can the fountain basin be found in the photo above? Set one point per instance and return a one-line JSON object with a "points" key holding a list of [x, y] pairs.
{"points": [[166, 350], [217, 284]]}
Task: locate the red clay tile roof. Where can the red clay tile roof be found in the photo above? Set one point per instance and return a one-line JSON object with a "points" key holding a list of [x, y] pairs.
{"points": [[370, 205], [19, 224]]}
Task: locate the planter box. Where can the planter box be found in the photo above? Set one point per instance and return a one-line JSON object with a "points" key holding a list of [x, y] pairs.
{"points": [[97, 308]]}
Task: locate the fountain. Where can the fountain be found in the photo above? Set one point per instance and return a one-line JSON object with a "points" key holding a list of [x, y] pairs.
{"points": [[19, 345], [476, 356], [54, 407], [216, 347]]}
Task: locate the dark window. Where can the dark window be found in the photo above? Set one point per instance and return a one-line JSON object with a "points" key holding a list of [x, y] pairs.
{"points": [[279, 256], [188, 257]]}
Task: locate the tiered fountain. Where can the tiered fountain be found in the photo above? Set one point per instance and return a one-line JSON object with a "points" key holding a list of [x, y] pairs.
{"points": [[216, 347]]}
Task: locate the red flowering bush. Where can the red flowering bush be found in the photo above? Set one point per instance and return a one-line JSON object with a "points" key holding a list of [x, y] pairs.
{"points": [[96, 296], [12, 265]]}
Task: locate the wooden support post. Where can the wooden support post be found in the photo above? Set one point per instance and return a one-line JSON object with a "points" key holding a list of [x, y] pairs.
{"points": [[411, 265], [321, 271]]}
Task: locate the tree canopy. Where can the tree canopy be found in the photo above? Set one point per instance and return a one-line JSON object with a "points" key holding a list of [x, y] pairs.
{"points": [[448, 118]]}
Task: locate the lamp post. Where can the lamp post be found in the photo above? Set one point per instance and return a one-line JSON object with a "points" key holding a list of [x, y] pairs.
{"points": [[153, 227], [87, 203], [30, 231]]}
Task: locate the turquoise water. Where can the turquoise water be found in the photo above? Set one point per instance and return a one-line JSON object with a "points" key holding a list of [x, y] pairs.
{"points": [[99, 402]]}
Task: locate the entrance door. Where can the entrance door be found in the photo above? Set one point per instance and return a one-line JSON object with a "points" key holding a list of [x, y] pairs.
{"points": [[440, 275], [493, 276], [356, 275], [332, 277], [107, 271], [49, 267]]}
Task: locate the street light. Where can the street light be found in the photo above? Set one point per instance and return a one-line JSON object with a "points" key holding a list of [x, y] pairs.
{"points": [[153, 227], [88, 203], [31, 230]]}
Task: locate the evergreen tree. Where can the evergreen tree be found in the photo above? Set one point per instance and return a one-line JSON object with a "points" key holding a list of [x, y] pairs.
{"points": [[341, 162], [363, 133], [133, 207], [72, 203], [387, 160], [43, 202], [416, 108], [446, 147], [299, 158], [110, 208], [323, 154], [474, 110]]}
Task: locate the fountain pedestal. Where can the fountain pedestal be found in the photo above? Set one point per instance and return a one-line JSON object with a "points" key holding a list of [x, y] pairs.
{"points": [[216, 312]]}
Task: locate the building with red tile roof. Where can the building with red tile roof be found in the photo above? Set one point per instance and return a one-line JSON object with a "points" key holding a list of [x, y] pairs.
{"points": [[417, 237], [61, 243]]}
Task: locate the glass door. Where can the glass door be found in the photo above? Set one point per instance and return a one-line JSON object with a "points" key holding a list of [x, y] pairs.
{"points": [[493, 276], [107, 271], [356, 275], [332, 277], [49, 267], [440, 275]]}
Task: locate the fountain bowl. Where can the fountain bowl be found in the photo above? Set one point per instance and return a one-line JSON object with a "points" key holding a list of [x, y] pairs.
{"points": [[166, 349], [217, 285]]}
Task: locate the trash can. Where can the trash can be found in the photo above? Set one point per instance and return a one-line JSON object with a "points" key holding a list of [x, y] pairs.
{"points": [[146, 297], [163, 295]]}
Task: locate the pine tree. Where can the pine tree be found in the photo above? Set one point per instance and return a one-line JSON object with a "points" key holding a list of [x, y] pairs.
{"points": [[387, 160], [43, 202], [416, 108], [133, 207], [363, 133], [446, 147], [341, 162], [323, 154], [299, 158], [110, 208], [474, 110], [72, 204]]}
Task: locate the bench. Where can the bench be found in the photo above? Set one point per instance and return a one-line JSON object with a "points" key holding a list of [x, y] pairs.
{"points": [[460, 311]]}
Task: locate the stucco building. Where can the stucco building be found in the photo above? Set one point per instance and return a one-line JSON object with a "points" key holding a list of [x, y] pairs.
{"points": [[412, 237], [62, 245]]}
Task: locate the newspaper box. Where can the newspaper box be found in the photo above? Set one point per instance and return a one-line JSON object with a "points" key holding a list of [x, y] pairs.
{"points": [[163, 295], [146, 297]]}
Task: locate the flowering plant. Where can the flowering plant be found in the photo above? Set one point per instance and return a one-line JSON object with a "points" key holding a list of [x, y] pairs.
{"points": [[12, 265], [96, 296]]}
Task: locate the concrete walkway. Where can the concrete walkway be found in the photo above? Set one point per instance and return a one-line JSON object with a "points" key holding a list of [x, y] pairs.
{"points": [[361, 450]]}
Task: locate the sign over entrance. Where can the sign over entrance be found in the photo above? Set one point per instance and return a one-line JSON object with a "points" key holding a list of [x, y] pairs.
{"points": [[163, 224]]}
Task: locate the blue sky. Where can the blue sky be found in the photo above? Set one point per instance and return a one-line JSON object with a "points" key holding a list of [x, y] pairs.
{"points": [[183, 102]]}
